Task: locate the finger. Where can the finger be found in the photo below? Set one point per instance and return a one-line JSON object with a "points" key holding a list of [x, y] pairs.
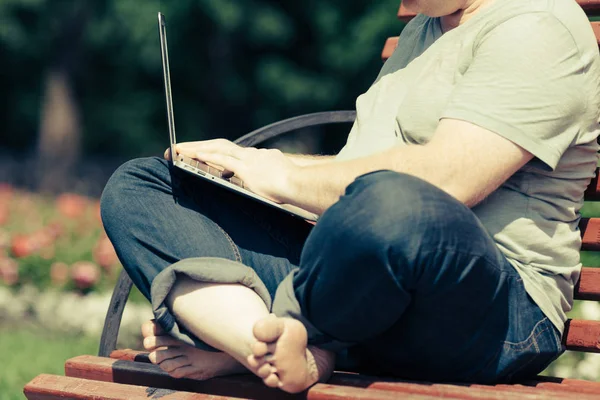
{"points": [[160, 355], [222, 146], [167, 154], [153, 342], [227, 162]]}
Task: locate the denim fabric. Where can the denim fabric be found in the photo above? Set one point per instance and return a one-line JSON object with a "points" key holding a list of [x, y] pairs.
{"points": [[398, 273]]}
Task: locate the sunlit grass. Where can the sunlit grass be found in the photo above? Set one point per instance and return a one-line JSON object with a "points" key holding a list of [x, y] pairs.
{"points": [[28, 352]]}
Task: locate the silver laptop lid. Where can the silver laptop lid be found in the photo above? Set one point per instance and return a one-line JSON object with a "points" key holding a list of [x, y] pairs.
{"points": [[162, 29]]}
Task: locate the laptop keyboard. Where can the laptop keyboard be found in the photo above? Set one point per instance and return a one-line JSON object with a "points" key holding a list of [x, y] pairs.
{"points": [[210, 170]]}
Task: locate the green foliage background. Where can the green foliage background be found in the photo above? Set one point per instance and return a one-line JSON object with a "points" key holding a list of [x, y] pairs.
{"points": [[235, 65]]}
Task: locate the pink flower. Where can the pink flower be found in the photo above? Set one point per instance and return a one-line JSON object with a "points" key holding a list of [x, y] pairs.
{"points": [[104, 254], [9, 271], [21, 246], [59, 273], [85, 274], [71, 205]]}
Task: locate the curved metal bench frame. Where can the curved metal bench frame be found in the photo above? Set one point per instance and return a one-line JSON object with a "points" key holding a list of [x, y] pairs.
{"points": [[112, 322]]}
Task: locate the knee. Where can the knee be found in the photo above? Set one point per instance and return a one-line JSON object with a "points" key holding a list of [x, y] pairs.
{"points": [[383, 207], [124, 184]]}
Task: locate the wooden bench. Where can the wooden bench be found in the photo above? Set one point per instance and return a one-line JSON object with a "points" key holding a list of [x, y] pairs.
{"points": [[127, 374]]}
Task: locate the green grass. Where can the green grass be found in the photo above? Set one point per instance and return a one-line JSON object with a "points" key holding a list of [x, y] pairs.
{"points": [[26, 352]]}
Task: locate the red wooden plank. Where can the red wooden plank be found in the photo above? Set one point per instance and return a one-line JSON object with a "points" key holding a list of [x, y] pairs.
{"points": [[346, 384], [582, 335], [130, 355], [596, 28], [588, 287], [450, 391], [139, 373], [590, 234], [593, 190], [389, 47], [591, 7], [245, 386], [45, 387]]}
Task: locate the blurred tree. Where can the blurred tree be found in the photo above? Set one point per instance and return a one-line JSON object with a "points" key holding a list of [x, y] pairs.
{"points": [[59, 139], [235, 65]]}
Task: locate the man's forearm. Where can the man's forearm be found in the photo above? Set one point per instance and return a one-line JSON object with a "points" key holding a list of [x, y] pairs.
{"points": [[316, 186], [305, 160]]}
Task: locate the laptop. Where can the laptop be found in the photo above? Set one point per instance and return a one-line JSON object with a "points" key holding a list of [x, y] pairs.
{"points": [[203, 170]]}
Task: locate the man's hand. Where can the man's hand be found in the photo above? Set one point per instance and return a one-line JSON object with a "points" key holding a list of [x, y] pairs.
{"points": [[265, 172]]}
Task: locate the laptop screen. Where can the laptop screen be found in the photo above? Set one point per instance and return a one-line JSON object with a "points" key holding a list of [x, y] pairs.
{"points": [[167, 77]]}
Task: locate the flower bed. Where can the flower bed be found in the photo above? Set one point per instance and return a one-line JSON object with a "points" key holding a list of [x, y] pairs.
{"points": [[54, 242]]}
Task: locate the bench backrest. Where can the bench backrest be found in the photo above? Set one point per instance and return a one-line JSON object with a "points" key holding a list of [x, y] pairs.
{"points": [[580, 335]]}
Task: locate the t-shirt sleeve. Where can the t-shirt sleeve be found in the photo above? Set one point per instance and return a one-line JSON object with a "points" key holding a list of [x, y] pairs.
{"points": [[524, 83]]}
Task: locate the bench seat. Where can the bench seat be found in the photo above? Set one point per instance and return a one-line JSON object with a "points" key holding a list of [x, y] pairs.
{"points": [[127, 374]]}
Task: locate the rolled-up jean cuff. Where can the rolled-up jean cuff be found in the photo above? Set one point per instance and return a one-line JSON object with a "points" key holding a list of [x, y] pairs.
{"points": [[286, 304], [203, 269]]}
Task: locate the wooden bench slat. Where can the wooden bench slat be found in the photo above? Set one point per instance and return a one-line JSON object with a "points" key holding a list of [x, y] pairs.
{"points": [[130, 355], [45, 387], [245, 386], [596, 29], [592, 193], [105, 369], [582, 335], [591, 8], [590, 234], [456, 391], [388, 49], [580, 388], [588, 287]]}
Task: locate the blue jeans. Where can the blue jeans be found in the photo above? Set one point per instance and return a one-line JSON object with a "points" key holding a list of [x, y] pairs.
{"points": [[399, 272]]}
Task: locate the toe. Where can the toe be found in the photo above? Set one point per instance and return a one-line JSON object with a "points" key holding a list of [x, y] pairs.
{"points": [[268, 329], [265, 370], [272, 381], [259, 349], [187, 371], [153, 342], [151, 328], [160, 355], [255, 362], [172, 364]]}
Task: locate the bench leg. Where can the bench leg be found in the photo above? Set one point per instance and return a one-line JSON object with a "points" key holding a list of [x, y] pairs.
{"points": [[110, 332]]}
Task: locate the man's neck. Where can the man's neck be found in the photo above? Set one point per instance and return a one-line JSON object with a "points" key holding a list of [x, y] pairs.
{"points": [[461, 16]]}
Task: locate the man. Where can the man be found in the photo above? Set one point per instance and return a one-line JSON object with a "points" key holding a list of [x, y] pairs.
{"points": [[447, 247]]}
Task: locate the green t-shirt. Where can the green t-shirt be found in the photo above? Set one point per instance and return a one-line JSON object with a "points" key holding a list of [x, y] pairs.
{"points": [[528, 70]]}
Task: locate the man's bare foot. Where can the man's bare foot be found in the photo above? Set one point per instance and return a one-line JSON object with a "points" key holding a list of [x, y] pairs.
{"points": [[182, 361], [282, 358]]}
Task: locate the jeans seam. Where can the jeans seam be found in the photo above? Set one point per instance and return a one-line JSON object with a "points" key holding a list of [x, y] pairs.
{"points": [[534, 343], [532, 334], [234, 248]]}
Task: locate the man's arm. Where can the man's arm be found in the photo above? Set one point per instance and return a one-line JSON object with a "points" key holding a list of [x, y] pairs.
{"points": [[305, 160], [466, 161]]}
